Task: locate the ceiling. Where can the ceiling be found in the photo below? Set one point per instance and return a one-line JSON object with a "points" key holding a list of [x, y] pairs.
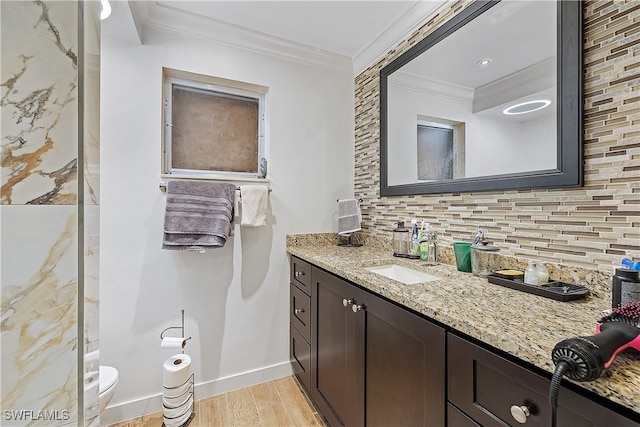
{"points": [[358, 30]]}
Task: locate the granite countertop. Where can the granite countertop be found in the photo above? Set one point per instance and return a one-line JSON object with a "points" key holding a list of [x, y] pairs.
{"points": [[521, 324]]}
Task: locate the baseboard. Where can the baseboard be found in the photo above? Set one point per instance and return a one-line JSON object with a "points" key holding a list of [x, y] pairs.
{"points": [[147, 405]]}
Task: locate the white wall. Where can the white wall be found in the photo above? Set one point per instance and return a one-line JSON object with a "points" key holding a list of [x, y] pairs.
{"points": [[236, 297]]}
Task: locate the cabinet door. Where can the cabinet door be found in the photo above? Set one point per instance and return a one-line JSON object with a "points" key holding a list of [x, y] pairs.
{"points": [[404, 359], [333, 372], [576, 410]]}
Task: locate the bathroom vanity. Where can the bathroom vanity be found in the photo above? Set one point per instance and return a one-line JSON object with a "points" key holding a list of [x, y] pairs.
{"points": [[456, 351]]}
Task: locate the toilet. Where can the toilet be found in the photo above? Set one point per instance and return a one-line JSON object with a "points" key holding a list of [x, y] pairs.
{"points": [[108, 381]]}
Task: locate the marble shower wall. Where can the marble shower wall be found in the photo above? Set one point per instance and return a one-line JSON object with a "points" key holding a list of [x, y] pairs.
{"points": [[49, 224]]}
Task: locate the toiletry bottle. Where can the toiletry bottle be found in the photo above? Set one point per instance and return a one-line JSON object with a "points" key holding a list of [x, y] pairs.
{"points": [[415, 244], [633, 265], [543, 273], [424, 246], [531, 274]]}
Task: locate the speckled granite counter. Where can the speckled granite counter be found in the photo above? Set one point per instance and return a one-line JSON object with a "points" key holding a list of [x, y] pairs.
{"points": [[521, 324]]}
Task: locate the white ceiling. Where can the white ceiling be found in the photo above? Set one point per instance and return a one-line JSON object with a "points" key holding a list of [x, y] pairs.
{"points": [[359, 30]]}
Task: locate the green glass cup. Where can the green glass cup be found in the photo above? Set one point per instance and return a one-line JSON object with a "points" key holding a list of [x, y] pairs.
{"points": [[462, 251]]}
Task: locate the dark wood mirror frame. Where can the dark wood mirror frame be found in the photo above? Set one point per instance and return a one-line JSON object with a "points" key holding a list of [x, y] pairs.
{"points": [[569, 115]]}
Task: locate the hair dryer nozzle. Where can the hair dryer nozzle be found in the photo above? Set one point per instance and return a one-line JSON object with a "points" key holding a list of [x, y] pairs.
{"points": [[583, 364]]}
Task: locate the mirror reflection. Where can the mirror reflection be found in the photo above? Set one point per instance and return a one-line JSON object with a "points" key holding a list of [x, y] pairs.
{"points": [[443, 127], [481, 102]]}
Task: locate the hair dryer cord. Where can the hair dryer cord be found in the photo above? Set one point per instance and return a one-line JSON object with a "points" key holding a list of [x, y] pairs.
{"points": [[561, 368]]}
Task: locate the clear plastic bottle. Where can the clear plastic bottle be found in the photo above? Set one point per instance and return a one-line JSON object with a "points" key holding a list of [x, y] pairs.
{"points": [[543, 273], [531, 274], [415, 243]]}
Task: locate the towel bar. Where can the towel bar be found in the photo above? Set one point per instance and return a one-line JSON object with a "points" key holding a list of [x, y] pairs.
{"points": [[163, 187]]}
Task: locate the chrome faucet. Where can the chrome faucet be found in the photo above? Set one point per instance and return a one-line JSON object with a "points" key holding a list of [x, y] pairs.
{"points": [[479, 237]]}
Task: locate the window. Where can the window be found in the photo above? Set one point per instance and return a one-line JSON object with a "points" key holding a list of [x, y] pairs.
{"points": [[213, 126], [441, 149]]}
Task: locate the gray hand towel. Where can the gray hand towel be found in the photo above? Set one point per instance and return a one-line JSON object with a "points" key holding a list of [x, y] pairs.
{"points": [[198, 215]]}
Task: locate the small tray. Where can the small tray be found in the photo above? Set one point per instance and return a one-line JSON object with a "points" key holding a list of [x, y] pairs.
{"points": [[509, 274], [558, 291]]}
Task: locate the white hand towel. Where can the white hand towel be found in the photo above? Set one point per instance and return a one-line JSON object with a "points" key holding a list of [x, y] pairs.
{"points": [[255, 205], [349, 216]]}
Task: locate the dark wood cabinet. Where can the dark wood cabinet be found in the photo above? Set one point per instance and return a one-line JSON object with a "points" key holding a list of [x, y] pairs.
{"points": [[300, 321], [483, 386], [404, 355], [300, 274], [365, 361], [577, 410], [373, 363], [334, 366]]}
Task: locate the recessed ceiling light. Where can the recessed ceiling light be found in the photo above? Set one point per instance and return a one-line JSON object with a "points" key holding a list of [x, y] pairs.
{"points": [[484, 62], [527, 107]]}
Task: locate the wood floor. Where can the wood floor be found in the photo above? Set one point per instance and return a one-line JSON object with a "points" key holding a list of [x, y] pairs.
{"points": [[279, 402]]}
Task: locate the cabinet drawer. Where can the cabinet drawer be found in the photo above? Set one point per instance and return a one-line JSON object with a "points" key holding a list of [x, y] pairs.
{"points": [[300, 274], [300, 356], [485, 386], [578, 410], [456, 418], [299, 311]]}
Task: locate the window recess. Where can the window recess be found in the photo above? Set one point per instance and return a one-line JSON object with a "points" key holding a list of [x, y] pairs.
{"points": [[213, 127]]}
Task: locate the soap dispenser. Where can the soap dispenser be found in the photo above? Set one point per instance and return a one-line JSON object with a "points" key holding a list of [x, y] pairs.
{"points": [[401, 240]]}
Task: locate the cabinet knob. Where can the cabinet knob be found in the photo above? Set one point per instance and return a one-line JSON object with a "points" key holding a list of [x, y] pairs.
{"points": [[520, 413], [299, 273], [298, 310], [357, 308], [346, 302]]}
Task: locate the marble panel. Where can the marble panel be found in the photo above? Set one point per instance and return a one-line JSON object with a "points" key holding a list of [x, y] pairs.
{"points": [[91, 277], [92, 388], [39, 319], [39, 102]]}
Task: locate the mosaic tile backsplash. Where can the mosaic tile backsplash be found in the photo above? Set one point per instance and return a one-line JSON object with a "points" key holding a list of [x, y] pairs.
{"points": [[594, 226]]}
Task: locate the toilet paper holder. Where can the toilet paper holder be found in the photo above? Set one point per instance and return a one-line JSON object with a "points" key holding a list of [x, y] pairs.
{"points": [[176, 327]]}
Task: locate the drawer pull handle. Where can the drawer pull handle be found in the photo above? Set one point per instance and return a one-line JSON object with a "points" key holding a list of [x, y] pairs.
{"points": [[299, 273], [346, 302], [356, 308], [299, 310], [520, 413]]}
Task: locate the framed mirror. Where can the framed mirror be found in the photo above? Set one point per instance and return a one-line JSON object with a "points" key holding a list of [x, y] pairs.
{"points": [[491, 100]]}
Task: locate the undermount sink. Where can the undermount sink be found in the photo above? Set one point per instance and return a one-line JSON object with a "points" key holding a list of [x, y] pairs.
{"points": [[402, 274]]}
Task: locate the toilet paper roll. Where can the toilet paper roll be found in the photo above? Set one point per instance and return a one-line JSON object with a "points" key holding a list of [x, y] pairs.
{"points": [[173, 343], [176, 370]]}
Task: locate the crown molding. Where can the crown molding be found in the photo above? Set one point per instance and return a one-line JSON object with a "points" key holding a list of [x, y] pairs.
{"points": [[419, 84], [151, 16], [401, 29]]}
